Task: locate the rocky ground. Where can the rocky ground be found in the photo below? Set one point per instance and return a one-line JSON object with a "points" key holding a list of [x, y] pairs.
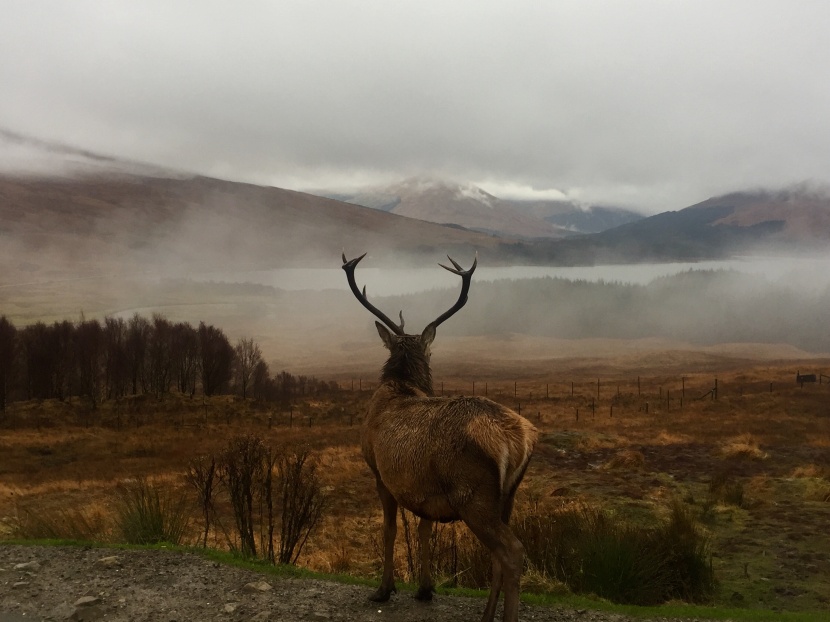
{"points": [[71, 583]]}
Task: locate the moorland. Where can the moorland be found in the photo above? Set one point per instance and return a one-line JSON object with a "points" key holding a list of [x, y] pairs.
{"points": [[750, 462]]}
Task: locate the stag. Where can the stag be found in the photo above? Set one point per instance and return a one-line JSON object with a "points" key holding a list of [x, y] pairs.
{"points": [[443, 459]]}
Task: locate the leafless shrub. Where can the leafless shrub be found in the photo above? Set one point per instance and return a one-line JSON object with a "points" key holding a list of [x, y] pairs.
{"points": [[270, 491], [242, 472], [302, 502], [202, 474]]}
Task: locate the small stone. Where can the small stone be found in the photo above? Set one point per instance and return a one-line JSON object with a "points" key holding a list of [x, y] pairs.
{"points": [[230, 607], [256, 586], [20, 584], [87, 601], [107, 562], [31, 566]]}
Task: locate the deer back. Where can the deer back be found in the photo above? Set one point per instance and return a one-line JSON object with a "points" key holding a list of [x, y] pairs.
{"points": [[438, 451]]}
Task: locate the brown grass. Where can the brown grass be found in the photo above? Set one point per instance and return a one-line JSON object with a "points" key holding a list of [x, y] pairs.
{"points": [[744, 446], [626, 459], [768, 451]]}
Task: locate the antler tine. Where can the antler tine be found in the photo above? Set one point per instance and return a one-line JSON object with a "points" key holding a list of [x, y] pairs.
{"points": [[454, 262], [466, 278], [349, 266]]}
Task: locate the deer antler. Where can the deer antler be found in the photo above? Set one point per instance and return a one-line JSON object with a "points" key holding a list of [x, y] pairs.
{"points": [[349, 266], [466, 277]]}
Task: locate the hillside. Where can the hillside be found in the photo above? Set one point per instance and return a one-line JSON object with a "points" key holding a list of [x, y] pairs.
{"points": [[116, 223], [576, 218], [794, 219], [467, 206]]}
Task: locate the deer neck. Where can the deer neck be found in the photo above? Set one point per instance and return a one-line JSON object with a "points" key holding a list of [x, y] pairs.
{"points": [[408, 370]]}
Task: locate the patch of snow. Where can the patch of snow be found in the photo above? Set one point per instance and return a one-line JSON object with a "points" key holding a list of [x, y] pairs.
{"points": [[476, 194]]}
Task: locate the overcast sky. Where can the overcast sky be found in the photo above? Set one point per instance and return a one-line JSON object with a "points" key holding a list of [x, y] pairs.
{"points": [[650, 104]]}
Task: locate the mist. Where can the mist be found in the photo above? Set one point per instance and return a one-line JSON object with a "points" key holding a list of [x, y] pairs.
{"points": [[699, 307]]}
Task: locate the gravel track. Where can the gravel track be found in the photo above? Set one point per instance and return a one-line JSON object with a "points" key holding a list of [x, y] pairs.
{"points": [[73, 583]]}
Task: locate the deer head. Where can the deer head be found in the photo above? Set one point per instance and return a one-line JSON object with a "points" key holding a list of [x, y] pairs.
{"points": [[409, 354]]}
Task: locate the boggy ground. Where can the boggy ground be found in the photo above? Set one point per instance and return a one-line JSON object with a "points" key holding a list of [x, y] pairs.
{"points": [[753, 465]]}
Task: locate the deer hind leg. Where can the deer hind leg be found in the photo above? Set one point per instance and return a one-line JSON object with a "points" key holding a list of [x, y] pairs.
{"points": [[390, 528], [495, 590], [507, 554], [425, 586], [498, 576], [511, 592]]}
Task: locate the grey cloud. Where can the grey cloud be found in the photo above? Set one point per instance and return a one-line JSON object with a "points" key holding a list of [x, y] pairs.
{"points": [[652, 104]]}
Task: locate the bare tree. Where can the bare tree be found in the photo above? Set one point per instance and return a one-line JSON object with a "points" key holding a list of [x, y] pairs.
{"points": [[62, 363], [261, 384], [115, 358], [248, 356], [89, 351], [8, 351], [159, 355], [286, 387], [216, 359], [185, 353], [39, 360], [138, 337]]}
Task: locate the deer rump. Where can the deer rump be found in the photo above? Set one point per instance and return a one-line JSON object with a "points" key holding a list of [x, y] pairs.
{"points": [[429, 452]]}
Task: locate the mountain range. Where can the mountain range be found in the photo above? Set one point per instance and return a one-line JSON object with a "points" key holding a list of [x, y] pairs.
{"points": [[94, 215], [466, 205]]}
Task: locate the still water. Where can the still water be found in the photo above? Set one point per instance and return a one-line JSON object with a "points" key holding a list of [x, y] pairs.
{"points": [[809, 272]]}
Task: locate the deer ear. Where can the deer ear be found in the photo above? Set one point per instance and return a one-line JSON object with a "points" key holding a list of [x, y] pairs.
{"points": [[428, 335], [388, 338]]}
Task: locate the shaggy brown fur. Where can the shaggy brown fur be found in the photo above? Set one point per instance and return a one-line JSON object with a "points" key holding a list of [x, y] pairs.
{"points": [[445, 459]]}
